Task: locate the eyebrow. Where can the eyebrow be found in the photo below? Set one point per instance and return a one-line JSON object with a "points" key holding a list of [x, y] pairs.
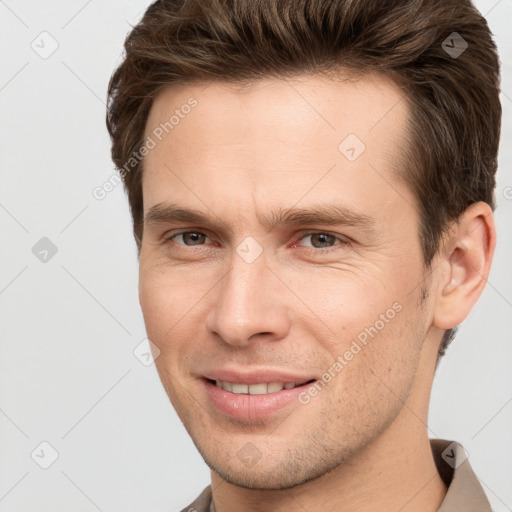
{"points": [[324, 214]]}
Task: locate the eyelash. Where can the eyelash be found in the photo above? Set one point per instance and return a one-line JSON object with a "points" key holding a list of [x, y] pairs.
{"points": [[343, 242]]}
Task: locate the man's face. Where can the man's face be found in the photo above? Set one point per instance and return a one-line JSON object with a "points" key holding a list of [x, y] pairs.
{"points": [[255, 292]]}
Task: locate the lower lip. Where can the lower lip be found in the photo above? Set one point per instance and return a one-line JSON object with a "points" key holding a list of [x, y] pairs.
{"points": [[251, 407]]}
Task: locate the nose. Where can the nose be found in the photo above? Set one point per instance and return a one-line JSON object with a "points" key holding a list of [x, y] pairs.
{"points": [[249, 304]]}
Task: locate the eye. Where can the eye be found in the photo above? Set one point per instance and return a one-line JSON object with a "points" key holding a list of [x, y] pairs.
{"points": [[321, 240], [189, 238]]}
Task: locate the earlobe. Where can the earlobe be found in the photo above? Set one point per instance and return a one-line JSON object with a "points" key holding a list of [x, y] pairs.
{"points": [[464, 265]]}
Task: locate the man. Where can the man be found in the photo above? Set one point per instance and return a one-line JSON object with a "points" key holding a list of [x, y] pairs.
{"points": [[311, 185]]}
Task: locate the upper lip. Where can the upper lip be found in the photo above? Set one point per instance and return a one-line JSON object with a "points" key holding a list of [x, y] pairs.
{"points": [[256, 376]]}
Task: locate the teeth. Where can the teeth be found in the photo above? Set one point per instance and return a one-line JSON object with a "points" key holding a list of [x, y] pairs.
{"points": [[240, 388], [273, 387], [258, 389], [255, 389]]}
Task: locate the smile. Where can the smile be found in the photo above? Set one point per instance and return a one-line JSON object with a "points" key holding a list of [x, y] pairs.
{"points": [[256, 389], [252, 401]]}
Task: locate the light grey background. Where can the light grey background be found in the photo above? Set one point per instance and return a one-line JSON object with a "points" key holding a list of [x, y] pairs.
{"points": [[68, 326]]}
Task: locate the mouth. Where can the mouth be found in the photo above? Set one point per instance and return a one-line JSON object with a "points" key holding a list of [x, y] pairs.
{"points": [[263, 388], [253, 401]]}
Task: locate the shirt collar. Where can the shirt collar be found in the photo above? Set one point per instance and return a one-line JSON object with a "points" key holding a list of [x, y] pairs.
{"points": [[465, 494]]}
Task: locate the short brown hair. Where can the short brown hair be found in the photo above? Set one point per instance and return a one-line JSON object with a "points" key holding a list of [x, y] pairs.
{"points": [[455, 112]]}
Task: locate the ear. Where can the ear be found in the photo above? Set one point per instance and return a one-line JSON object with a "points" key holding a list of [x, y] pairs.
{"points": [[464, 265]]}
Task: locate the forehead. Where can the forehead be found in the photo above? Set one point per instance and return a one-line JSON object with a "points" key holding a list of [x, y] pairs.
{"points": [[347, 104], [279, 139]]}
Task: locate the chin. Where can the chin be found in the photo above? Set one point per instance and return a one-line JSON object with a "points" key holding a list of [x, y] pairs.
{"points": [[287, 473], [267, 480]]}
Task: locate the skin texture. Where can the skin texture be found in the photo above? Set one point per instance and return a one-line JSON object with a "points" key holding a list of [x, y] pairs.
{"points": [[362, 442]]}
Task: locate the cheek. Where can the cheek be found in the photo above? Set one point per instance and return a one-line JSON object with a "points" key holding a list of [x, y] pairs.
{"points": [[173, 311], [162, 306], [391, 350], [167, 299], [347, 301], [375, 328], [156, 305]]}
